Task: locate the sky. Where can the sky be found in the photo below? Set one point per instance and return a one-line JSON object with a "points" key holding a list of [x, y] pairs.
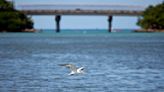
{"points": [[88, 22]]}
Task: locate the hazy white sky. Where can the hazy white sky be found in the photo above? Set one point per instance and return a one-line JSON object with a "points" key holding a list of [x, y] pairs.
{"points": [[87, 22]]}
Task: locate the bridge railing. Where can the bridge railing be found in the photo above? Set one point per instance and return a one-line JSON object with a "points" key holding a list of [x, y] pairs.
{"points": [[78, 7]]}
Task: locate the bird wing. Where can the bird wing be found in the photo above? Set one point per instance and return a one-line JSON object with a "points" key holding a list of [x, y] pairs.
{"points": [[70, 66]]}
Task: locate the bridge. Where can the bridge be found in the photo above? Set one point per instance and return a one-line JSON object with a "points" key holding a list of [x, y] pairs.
{"points": [[58, 10]]}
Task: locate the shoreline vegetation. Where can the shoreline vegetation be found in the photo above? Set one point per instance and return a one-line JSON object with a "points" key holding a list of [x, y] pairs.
{"points": [[152, 19], [12, 20], [149, 30]]}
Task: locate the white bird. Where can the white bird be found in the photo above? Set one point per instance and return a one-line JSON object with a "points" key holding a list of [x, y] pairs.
{"points": [[74, 69]]}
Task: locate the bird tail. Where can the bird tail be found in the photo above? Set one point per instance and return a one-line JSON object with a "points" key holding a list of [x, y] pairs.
{"points": [[81, 68]]}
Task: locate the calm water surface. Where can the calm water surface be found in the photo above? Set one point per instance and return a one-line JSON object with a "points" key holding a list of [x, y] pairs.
{"points": [[114, 62]]}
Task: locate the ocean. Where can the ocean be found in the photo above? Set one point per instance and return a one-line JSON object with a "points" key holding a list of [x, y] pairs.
{"points": [[113, 62]]}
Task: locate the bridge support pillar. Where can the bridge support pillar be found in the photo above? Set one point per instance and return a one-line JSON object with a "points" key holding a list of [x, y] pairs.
{"points": [[110, 23], [57, 19]]}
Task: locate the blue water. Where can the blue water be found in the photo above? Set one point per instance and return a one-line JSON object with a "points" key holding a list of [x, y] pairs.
{"points": [[114, 62]]}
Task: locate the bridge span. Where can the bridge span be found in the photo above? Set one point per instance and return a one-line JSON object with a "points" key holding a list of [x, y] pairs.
{"points": [[58, 10]]}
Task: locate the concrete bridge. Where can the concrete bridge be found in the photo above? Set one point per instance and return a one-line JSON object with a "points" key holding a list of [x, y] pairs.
{"points": [[58, 10]]}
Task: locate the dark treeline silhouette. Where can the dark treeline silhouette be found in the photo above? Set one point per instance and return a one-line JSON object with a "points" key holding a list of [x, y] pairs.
{"points": [[11, 20], [153, 18]]}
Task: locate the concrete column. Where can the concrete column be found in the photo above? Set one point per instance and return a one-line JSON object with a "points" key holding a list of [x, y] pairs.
{"points": [[110, 23], [57, 19]]}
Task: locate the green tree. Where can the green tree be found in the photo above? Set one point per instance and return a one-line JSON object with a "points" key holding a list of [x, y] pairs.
{"points": [[12, 20], [153, 17]]}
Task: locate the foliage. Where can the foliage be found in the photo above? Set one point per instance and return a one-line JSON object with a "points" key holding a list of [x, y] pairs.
{"points": [[12, 20], [153, 17]]}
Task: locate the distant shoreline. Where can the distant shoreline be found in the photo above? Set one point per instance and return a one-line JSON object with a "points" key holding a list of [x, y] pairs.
{"points": [[30, 30], [25, 30], [149, 30], [33, 30]]}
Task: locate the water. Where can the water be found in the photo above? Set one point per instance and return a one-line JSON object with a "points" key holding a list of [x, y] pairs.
{"points": [[114, 62]]}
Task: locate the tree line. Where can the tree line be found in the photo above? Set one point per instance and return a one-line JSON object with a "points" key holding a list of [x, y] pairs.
{"points": [[153, 18], [12, 20]]}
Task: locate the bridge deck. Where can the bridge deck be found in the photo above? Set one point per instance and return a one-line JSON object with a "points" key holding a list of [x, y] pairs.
{"points": [[80, 9], [82, 12]]}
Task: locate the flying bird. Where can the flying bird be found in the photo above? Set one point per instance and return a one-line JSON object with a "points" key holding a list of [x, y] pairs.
{"points": [[74, 69]]}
